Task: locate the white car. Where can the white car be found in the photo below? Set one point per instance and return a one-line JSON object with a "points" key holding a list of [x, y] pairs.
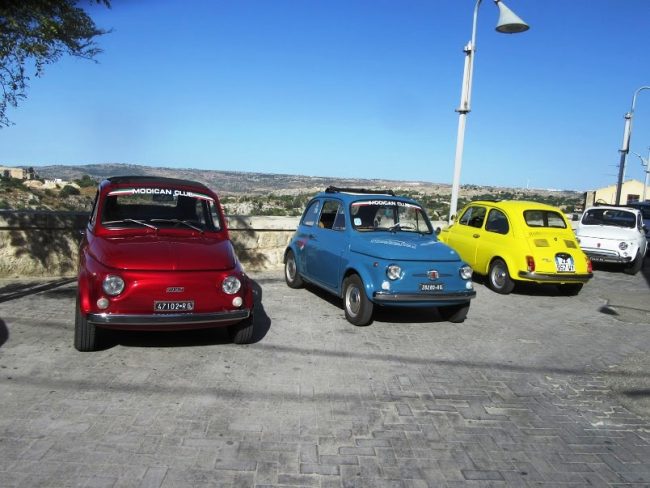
{"points": [[609, 234]]}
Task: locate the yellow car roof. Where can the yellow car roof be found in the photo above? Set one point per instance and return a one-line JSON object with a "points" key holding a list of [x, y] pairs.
{"points": [[517, 205]]}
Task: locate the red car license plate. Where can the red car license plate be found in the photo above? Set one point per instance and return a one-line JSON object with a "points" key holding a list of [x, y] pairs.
{"points": [[184, 306]]}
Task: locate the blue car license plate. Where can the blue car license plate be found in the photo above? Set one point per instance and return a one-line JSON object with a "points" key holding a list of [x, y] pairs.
{"points": [[184, 306], [428, 287]]}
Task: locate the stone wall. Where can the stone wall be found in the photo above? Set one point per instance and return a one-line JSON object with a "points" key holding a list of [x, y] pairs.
{"points": [[260, 241], [45, 244]]}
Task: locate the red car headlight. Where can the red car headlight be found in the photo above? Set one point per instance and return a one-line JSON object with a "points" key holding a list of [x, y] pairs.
{"points": [[113, 285], [231, 285]]}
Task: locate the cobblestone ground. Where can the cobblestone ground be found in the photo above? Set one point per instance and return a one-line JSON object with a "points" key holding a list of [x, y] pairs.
{"points": [[532, 390]]}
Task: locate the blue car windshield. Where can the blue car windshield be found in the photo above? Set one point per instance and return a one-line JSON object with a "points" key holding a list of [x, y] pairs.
{"points": [[389, 215]]}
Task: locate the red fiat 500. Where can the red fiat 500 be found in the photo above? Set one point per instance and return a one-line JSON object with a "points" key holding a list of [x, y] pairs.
{"points": [[156, 255]]}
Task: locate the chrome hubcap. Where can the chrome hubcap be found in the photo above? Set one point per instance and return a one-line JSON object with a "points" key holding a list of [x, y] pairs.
{"points": [[499, 277], [291, 269], [353, 300]]}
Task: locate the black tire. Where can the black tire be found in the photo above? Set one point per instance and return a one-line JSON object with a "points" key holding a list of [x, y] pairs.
{"points": [[242, 332], [85, 334], [570, 289], [454, 313], [499, 278], [291, 275], [358, 309], [635, 266]]}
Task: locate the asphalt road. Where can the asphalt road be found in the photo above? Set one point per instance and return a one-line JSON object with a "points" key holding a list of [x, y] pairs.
{"points": [[532, 389]]}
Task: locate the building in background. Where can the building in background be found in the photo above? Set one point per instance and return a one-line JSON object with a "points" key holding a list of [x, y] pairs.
{"points": [[631, 191], [18, 173]]}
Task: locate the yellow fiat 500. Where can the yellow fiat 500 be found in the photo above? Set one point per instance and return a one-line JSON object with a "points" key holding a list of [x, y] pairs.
{"points": [[510, 241]]}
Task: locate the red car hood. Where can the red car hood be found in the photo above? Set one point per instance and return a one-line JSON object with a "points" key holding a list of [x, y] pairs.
{"points": [[164, 253]]}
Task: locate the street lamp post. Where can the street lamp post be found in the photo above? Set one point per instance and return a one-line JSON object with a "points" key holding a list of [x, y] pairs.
{"points": [[625, 148], [646, 167], [508, 23]]}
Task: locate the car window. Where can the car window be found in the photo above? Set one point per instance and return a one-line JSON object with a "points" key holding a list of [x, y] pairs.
{"points": [[645, 210], [159, 207], [497, 222], [332, 216], [93, 212], [609, 216], [473, 216], [311, 214], [389, 215], [339, 220], [544, 218]]}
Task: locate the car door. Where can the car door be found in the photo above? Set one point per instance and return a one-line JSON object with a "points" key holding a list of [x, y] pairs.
{"points": [[465, 234], [305, 236], [326, 243], [495, 239]]}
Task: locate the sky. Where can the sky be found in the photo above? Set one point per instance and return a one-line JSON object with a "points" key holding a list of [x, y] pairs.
{"points": [[349, 88]]}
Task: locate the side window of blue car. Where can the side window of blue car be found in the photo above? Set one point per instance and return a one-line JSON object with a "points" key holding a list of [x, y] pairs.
{"points": [[332, 216], [311, 214]]}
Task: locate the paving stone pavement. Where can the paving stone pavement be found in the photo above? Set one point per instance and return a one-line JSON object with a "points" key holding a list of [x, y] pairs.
{"points": [[531, 390]]}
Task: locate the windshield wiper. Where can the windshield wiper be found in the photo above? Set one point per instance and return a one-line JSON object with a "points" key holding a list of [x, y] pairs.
{"points": [[401, 226], [179, 221], [130, 220]]}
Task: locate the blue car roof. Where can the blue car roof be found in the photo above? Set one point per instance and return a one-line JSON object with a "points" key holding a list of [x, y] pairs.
{"points": [[349, 195]]}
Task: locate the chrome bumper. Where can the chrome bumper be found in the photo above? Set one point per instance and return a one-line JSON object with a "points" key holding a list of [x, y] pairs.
{"points": [[556, 278], [153, 320], [607, 257], [463, 296]]}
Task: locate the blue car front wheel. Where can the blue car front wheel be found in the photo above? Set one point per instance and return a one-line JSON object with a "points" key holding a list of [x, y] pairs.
{"points": [[291, 275], [358, 309]]}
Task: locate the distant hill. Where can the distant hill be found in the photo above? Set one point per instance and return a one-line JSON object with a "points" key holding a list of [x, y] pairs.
{"points": [[236, 182]]}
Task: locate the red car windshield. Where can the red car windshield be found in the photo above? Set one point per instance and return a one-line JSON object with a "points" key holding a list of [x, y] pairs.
{"points": [[159, 207]]}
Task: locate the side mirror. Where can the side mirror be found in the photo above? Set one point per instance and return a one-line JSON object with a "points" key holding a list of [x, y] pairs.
{"points": [[575, 217], [438, 230]]}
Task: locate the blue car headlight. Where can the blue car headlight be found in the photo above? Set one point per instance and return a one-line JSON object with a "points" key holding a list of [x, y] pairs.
{"points": [[466, 272], [394, 272]]}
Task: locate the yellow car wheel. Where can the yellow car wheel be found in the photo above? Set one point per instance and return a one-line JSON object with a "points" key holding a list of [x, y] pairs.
{"points": [[499, 278]]}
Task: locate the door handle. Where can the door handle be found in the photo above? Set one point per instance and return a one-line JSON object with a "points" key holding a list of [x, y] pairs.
{"points": [[476, 236]]}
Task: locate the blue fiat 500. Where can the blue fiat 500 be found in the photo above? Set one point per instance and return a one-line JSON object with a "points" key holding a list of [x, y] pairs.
{"points": [[372, 248]]}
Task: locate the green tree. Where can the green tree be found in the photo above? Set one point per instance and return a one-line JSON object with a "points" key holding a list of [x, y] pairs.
{"points": [[40, 32], [68, 190], [86, 181]]}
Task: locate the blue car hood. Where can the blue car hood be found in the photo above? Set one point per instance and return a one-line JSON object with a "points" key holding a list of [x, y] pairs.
{"points": [[405, 246]]}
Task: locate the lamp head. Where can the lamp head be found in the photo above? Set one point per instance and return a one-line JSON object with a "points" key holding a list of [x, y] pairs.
{"points": [[509, 22]]}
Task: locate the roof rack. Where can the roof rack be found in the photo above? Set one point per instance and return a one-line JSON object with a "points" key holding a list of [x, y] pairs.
{"points": [[336, 189]]}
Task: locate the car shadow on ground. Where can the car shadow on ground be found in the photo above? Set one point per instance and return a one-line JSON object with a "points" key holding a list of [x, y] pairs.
{"points": [[4, 332], [399, 315], [523, 288], [20, 289], [189, 338]]}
